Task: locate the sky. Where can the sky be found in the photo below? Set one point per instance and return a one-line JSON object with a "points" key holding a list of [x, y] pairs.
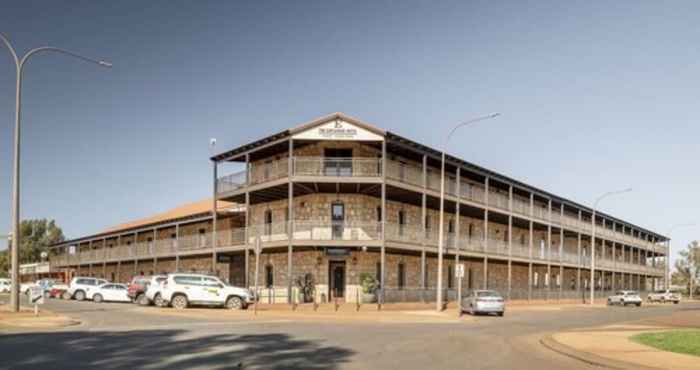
{"points": [[594, 96]]}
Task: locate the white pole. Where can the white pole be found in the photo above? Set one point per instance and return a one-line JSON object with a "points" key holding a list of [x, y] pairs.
{"points": [[16, 242], [593, 226], [441, 228]]}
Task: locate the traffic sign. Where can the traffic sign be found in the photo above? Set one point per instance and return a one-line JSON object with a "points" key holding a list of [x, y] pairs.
{"points": [[36, 295]]}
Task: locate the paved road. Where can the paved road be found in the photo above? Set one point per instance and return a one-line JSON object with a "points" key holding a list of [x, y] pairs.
{"points": [[124, 336]]}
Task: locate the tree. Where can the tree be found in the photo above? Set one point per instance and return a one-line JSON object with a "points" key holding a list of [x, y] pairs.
{"points": [[37, 236], [688, 267]]}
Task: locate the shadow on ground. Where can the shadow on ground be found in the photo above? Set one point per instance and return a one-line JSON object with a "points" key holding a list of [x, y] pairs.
{"points": [[165, 349]]}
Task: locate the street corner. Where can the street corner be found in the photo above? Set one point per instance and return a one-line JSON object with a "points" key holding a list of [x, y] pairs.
{"points": [[611, 346]]}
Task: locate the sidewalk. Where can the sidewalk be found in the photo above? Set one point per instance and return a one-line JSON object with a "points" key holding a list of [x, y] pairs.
{"points": [[610, 346], [26, 320]]}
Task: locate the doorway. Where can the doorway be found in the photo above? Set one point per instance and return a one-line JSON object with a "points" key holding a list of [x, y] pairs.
{"points": [[336, 274]]}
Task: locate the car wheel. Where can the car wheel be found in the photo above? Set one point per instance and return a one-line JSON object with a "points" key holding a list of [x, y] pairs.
{"points": [[179, 302], [609, 302], [66, 296], [501, 313], [234, 303], [158, 300], [80, 295], [97, 298], [142, 300], [639, 304]]}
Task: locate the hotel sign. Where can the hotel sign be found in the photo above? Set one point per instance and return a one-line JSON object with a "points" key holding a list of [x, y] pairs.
{"points": [[338, 130]]}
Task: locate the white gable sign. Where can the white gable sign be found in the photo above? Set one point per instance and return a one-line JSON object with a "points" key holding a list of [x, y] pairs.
{"points": [[338, 130]]}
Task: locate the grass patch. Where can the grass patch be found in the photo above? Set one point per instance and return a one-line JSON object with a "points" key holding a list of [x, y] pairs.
{"points": [[680, 341]]}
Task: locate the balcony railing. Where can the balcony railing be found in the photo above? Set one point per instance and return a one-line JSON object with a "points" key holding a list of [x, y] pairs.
{"points": [[340, 167]]}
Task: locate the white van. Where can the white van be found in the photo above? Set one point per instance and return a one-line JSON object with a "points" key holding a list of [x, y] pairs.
{"points": [[182, 290]]}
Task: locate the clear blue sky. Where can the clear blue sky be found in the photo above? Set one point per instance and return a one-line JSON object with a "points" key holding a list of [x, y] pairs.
{"points": [[594, 97]]}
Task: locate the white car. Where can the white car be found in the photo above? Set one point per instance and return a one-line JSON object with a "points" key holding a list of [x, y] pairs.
{"points": [[664, 296], [625, 297], [153, 294], [182, 290], [81, 288], [5, 285], [110, 292]]}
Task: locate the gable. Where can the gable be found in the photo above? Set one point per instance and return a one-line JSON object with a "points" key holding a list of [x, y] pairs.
{"points": [[338, 129]]}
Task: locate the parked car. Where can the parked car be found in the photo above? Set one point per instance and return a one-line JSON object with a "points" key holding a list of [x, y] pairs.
{"points": [[137, 288], [57, 290], [153, 291], [664, 296], [111, 292], [484, 301], [625, 297], [183, 290], [81, 288], [5, 285]]}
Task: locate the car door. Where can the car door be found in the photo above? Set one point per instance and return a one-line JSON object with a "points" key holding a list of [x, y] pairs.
{"points": [[192, 287], [212, 290], [119, 293]]}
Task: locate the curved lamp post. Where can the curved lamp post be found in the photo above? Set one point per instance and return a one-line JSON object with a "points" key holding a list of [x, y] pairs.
{"points": [[16, 241], [593, 226], [438, 303]]}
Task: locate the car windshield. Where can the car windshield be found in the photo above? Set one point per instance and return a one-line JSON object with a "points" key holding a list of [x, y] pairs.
{"points": [[487, 294], [632, 293]]}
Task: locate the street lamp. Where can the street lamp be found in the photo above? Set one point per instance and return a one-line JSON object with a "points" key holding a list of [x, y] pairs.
{"points": [[19, 64], [438, 304], [593, 225], [667, 275]]}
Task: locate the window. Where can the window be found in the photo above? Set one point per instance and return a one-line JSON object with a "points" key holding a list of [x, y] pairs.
{"points": [[505, 236], [449, 277], [402, 275], [268, 222], [286, 219], [535, 279], [542, 248], [425, 275], [471, 230], [379, 219], [269, 276], [546, 279], [451, 226], [402, 222], [469, 278], [202, 237], [187, 280], [427, 226], [522, 239]]}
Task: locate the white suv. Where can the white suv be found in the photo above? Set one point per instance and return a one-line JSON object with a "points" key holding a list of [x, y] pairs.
{"points": [[625, 297], [664, 296], [154, 286], [81, 288], [5, 285], [182, 290]]}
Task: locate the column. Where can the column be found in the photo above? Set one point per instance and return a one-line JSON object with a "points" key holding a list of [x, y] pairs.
{"points": [[290, 216], [510, 241], [486, 233], [177, 246], [457, 239], [104, 258], [561, 251], [580, 259], [549, 247], [532, 235], [91, 258], [383, 245], [423, 221]]}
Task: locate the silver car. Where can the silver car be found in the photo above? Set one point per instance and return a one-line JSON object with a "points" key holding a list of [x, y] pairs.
{"points": [[484, 301]]}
